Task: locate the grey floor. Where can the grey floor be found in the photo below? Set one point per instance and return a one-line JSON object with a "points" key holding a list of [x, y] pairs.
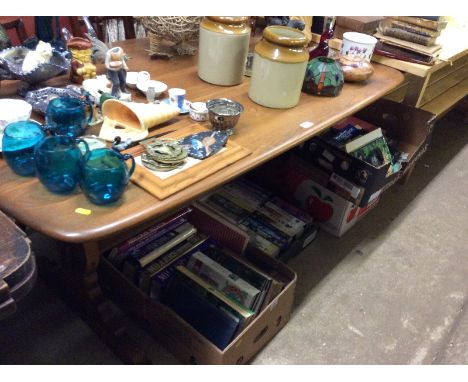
{"points": [[393, 290]]}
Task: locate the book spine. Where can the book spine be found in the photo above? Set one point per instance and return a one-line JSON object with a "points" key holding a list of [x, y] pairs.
{"points": [[294, 211], [183, 234], [282, 220], [132, 265], [225, 207], [184, 249], [408, 36], [414, 29], [145, 244], [223, 279], [258, 225], [260, 192], [262, 244], [238, 199], [150, 232]]}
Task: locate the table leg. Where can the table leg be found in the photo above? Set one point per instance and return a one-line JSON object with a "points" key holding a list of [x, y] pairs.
{"points": [[79, 276]]}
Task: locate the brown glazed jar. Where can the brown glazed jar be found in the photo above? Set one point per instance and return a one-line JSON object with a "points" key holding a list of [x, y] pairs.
{"points": [[278, 68], [223, 47]]}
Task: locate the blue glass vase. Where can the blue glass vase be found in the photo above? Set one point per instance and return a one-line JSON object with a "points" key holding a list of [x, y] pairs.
{"points": [[67, 116], [105, 175], [19, 141], [57, 160]]}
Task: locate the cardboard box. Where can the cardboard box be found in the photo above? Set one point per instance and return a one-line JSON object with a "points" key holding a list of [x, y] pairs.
{"points": [[187, 344], [410, 127]]}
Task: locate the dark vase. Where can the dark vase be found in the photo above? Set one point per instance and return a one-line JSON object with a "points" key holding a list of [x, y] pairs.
{"points": [[324, 77]]}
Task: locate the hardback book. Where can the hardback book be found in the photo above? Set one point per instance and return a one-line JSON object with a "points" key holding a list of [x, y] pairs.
{"points": [[406, 35], [363, 140], [411, 28], [135, 263], [259, 242], [266, 283], [160, 280], [375, 153], [429, 24], [432, 51], [182, 251], [223, 279], [282, 220], [255, 224], [217, 324], [138, 243], [224, 207]]}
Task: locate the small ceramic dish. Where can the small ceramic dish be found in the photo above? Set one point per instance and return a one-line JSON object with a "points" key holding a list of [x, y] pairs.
{"points": [[198, 111], [159, 87], [131, 79], [12, 110]]}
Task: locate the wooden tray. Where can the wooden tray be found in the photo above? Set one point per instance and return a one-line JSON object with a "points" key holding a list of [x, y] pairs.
{"points": [[162, 188]]}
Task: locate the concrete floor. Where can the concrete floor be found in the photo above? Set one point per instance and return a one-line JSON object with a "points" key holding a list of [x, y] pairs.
{"points": [[393, 290]]}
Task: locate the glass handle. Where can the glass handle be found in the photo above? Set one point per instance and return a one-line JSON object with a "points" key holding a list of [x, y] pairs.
{"points": [[88, 151], [88, 103], [132, 167]]}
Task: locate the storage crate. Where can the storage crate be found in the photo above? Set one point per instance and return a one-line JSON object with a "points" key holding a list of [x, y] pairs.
{"points": [[181, 339]]}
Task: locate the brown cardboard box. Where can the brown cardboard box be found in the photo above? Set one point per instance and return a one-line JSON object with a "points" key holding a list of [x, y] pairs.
{"points": [[362, 24], [187, 344]]}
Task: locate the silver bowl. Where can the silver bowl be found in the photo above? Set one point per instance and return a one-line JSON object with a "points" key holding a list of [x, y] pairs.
{"points": [[224, 113]]}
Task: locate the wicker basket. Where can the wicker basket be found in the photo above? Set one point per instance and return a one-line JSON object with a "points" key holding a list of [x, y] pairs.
{"points": [[178, 30]]}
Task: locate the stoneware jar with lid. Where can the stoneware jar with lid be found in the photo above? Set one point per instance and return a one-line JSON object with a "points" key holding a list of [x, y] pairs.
{"points": [[223, 48], [279, 67]]}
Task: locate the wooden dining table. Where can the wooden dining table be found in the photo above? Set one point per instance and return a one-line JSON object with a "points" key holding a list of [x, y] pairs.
{"points": [[265, 132]]}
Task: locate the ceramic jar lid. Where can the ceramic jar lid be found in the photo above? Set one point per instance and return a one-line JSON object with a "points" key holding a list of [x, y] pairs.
{"points": [[226, 24], [283, 44]]}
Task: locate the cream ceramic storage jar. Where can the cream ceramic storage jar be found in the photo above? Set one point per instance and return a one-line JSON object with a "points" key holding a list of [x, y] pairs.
{"points": [[223, 48], [279, 67]]}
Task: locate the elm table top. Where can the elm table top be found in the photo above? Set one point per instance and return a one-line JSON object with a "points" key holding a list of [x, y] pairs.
{"points": [[265, 132]]}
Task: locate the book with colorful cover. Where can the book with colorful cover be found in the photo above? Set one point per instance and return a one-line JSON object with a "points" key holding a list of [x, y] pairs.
{"points": [[223, 279]]}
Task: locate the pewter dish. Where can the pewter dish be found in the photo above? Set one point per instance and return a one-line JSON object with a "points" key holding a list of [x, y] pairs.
{"points": [[11, 62], [39, 99]]}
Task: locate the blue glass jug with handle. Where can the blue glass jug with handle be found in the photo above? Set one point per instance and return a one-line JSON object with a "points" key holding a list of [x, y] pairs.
{"points": [[57, 160], [105, 175], [67, 116], [18, 144]]}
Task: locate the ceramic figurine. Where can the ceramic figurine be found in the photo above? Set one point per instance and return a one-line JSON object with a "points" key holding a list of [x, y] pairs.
{"points": [[82, 67], [116, 64]]}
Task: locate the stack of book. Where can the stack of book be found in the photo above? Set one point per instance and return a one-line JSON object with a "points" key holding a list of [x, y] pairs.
{"points": [[365, 142], [216, 291], [412, 38], [271, 223]]}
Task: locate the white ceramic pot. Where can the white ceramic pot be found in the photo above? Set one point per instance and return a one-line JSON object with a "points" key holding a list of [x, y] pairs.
{"points": [[358, 44]]}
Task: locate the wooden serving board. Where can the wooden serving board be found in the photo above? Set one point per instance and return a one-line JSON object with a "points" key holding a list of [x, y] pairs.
{"points": [[162, 188]]}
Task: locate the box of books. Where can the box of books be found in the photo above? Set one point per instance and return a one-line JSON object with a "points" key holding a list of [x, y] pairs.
{"points": [[198, 292], [373, 148], [312, 190], [275, 227]]}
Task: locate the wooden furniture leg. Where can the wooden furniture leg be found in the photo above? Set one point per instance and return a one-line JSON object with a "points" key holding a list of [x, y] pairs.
{"points": [[78, 277]]}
